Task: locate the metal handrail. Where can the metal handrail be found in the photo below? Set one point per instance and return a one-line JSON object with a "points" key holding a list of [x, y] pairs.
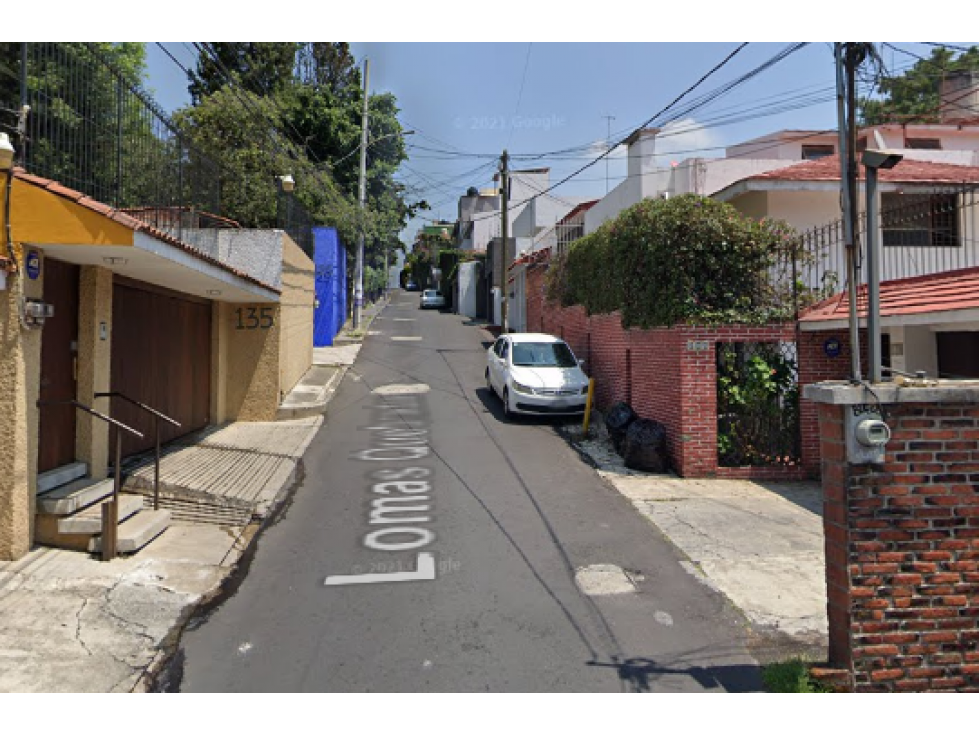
{"points": [[156, 431], [110, 510]]}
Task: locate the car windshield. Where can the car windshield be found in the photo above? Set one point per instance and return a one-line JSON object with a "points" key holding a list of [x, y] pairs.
{"points": [[542, 354], [431, 294]]}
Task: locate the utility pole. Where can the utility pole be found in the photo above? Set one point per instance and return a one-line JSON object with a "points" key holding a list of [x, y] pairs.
{"points": [[608, 142], [846, 102], [359, 270], [505, 217]]}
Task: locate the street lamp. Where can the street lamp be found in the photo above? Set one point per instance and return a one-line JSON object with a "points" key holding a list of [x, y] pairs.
{"points": [[6, 152], [7, 166], [874, 160]]}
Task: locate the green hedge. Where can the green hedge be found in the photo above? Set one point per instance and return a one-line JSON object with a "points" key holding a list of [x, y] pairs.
{"points": [[688, 259]]}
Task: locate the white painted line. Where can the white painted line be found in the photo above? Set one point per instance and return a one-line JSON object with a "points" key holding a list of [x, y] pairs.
{"points": [[397, 319], [406, 338], [425, 571], [413, 389]]}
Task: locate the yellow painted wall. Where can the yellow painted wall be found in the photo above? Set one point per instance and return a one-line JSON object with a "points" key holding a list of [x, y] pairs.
{"points": [[94, 367], [297, 306], [40, 217], [251, 369], [20, 370]]}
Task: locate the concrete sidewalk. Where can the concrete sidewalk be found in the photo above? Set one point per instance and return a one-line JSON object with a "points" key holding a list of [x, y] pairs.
{"points": [[72, 623], [758, 543]]}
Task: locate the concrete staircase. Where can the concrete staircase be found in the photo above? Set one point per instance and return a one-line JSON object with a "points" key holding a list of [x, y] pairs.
{"points": [[69, 513]]}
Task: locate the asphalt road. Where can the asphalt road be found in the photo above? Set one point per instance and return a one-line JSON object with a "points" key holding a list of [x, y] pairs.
{"points": [[431, 546]]}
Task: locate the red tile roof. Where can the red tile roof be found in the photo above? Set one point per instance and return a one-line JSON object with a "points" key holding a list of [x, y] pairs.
{"points": [[907, 171], [953, 290], [582, 207], [137, 225]]}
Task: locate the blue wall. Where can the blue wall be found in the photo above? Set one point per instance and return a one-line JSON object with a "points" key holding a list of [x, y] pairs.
{"points": [[331, 286]]}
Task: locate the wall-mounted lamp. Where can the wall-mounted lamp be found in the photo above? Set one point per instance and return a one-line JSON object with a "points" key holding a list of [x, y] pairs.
{"points": [[6, 152], [288, 183]]}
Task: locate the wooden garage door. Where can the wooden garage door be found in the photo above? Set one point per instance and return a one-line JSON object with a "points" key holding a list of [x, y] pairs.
{"points": [[161, 356]]}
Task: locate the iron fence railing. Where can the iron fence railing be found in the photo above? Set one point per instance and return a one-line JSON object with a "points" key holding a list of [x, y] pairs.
{"points": [[93, 128], [925, 230], [758, 404]]}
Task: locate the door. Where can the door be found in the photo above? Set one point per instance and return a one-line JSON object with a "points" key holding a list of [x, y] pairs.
{"points": [[59, 355], [161, 356], [958, 354]]}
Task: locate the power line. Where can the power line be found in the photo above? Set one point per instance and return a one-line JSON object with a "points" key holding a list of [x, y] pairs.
{"points": [[692, 106], [523, 79]]}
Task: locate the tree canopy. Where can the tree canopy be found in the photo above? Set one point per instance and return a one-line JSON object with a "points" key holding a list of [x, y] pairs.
{"points": [[310, 98], [261, 67], [687, 259], [915, 95]]}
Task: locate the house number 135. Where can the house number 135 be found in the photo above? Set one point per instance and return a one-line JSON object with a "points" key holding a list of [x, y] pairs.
{"points": [[254, 318]]}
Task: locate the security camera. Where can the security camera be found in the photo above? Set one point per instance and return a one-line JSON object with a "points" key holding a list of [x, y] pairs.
{"points": [[881, 158]]}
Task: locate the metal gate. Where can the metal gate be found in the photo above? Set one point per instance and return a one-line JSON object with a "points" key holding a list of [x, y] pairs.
{"points": [[758, 404]]}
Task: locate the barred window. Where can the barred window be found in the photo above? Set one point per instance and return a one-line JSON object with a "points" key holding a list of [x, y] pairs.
{"points": [[920, 220]]}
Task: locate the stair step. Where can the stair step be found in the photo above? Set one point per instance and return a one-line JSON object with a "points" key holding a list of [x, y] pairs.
{"points": [[89, 520], [136, 532], [61, 476], [71, 498]]}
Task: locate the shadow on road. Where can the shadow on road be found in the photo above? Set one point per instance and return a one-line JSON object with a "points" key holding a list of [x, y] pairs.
{"points": [[639, 673], [494, 405]]}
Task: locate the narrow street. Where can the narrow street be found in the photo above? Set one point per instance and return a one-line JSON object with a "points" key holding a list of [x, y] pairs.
{"points": [[464, 578]]}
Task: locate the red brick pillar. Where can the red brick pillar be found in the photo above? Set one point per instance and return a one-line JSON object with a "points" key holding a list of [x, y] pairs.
{"points": [[902, 539]]}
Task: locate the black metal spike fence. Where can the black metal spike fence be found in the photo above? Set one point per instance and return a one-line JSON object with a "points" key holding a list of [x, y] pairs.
{"points": [[92, 128], [924, 231]]}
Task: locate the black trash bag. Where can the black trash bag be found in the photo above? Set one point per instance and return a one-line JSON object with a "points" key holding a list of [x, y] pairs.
{"points": [[644, 447], [617, 421]]}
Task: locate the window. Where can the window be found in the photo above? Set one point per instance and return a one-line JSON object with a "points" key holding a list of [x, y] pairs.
{"points": [[861, 144], [548, 354], [924, 143], [815, 152], [920, 220]]}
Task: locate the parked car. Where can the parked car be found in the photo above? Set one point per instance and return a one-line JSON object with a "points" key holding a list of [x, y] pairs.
{"points": [[411, 286], [432, 299], [536, 374]]}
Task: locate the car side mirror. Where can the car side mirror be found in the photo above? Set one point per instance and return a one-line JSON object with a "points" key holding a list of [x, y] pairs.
{"points": [[581, 363]]}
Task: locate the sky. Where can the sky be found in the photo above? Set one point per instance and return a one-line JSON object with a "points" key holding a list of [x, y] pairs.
{"points": [[466, 102]]}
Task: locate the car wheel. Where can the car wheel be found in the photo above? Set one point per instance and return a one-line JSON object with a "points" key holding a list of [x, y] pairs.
{"points": [[489, 382], [508, 414]]}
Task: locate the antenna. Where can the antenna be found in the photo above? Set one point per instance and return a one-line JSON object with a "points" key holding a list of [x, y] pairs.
{"points": [[608, 140]]}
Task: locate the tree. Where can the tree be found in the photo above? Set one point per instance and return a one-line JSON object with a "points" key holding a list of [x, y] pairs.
{"points": [[261, 67], [234, 127], [915, 96], [687, 259], [330, 66]]}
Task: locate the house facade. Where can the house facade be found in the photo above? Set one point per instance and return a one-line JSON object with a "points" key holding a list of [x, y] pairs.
{"points": [[213, 327]]}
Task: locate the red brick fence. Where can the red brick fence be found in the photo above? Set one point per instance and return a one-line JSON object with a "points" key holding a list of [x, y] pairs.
{"points": [[667, 374]]}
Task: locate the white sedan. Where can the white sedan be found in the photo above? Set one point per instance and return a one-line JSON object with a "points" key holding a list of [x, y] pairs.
{"points": [[536, 373], [432, 299]]}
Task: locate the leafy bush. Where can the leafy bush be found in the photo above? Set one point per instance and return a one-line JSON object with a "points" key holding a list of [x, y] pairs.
{"points": [[791, 676], [688, 259]]}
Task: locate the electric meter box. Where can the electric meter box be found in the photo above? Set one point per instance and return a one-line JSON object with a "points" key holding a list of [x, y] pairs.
{"points": [[866, 434]]}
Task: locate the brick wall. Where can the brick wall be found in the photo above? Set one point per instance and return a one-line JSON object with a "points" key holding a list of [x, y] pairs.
{"points": [[660, 374], [902, 551]]}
